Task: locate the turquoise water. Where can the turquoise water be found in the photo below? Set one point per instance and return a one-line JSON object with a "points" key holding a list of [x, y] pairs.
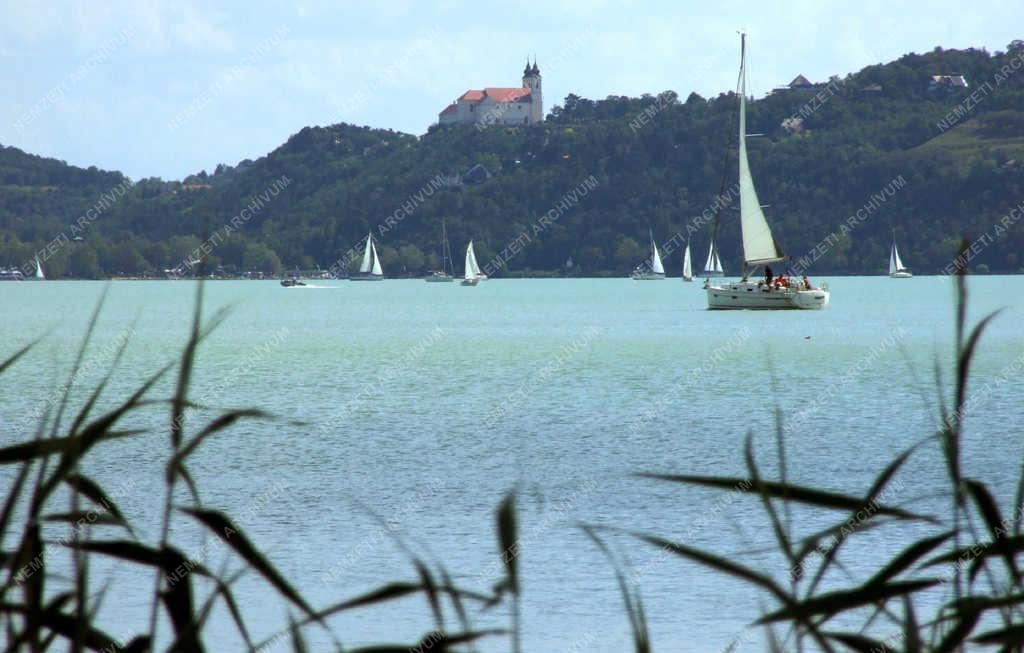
{"points": [[421, 405]]}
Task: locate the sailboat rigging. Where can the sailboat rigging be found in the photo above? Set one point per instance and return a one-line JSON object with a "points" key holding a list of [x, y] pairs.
{"points": [[369, 268], [471, 273], [759, 245], [896, 268], [653, 269], [447, 272]]}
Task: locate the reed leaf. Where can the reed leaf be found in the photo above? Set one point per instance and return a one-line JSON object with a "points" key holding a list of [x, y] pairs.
{"points": [[789, 492], [222, 422], [231, 535], [831, 603], [997, 527]]}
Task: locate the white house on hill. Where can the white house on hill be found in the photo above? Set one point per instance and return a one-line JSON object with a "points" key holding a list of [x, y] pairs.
{"points": [[499, 106]]}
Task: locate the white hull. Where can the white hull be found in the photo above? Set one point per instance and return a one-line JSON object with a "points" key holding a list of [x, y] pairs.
{"points": [[750, 295], [648, 276], [901, 274], [687, 278], [470, 282], [366, 277]]}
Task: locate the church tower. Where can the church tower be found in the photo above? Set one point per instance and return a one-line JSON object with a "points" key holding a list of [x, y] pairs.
{"points": [[532, 81]]}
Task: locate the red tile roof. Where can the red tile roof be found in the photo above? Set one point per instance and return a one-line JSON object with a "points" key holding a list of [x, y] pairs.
{"points": [[448, 109], [498, 95], [508, 94]]}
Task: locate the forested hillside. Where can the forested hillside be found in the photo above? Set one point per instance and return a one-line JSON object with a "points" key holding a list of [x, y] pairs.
{"points": [[657, 162]]}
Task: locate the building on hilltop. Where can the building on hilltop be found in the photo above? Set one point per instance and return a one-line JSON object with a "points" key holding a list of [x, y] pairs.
{"points": [[499, 106]]}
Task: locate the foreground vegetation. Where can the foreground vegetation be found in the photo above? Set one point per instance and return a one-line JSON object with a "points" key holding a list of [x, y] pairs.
{"points": [[657, 161], [970, 559]]}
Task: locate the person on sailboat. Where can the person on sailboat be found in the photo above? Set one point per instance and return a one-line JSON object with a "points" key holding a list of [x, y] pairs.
{"points": [[807, 283], [768, 275]]}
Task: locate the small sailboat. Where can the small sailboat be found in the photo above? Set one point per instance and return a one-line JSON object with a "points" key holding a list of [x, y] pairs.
{"points": [[471, 274], [39, 270], [713, 266], [687, 266], [446, 273], [759, 246], [650, 270], [369, 268], [896, 268]]}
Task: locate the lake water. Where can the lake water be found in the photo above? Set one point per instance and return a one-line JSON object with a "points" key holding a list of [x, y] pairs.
{"points": [[422, 404]]}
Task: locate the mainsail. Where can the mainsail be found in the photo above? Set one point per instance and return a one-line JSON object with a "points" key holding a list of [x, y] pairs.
{"points": [[759, 246], [656, 266], [687, 267], [368, 256], [472, 270], [39, 270], [377, 270], [895, 264], [713, 266]]}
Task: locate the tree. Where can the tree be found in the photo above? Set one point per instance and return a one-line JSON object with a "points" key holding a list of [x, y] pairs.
{"points": [[260, 258], [411, 258]]}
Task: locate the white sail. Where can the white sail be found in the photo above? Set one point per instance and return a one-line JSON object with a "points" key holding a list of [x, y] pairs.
{"points": [[364, 267], [758, 244], [687, 267], [377, 270], [895, 264], [472, 270], [714, 264], [39, 270], [656, 266]]}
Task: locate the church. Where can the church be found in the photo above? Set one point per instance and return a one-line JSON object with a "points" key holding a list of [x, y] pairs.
{"points": [[499, 106]]}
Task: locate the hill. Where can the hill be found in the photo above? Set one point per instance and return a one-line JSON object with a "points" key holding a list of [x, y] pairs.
{"points": [[656, 162]]}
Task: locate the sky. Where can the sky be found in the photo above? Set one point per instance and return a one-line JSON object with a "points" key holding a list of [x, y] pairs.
{"points": [[166, 89]]}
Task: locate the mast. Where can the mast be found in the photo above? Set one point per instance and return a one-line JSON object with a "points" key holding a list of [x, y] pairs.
{"points": [[759, 246]]}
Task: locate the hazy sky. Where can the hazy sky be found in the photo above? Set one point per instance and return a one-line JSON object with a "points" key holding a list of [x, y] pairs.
{"points": [[170, 88]]}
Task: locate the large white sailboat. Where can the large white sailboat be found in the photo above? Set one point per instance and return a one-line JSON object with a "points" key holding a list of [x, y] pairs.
{"points": [[759, 246], [369, 268], [713, 266], [471, 274], [896, 269], [652, 270], [687, 265]]}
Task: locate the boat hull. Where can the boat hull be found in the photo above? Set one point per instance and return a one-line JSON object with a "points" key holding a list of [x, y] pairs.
{"points": [[366, 277], [469, 282], [900, 274], [438, 278], [748, 295], [648, 276]]}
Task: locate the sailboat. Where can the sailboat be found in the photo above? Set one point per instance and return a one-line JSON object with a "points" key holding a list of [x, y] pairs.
{"points": [[759, 246], [369, 269], [713, 266], [445, 274], [471, 275], [650, 270], [896, 269], [687, 267], [39, 270]]}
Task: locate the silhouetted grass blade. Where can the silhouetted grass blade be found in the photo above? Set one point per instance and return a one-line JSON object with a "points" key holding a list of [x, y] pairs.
{"points": [[231, 535], [1011, 638], [95, 493], [298, 643], [858, 642], [26, 451], [997, 526], [788, 492], [907, 558], [718, 563], [219, 424], [831, 603], [637, 622]]}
